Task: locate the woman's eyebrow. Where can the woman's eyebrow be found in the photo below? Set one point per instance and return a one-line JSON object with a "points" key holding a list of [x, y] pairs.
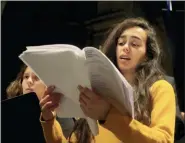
{"points": [[136, 37]]}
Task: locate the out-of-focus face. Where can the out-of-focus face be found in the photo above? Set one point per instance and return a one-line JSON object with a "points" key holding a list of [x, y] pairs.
{"points": [[31, 83], [131, 49]]}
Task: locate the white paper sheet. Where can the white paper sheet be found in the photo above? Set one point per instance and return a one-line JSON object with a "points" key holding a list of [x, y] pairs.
{"points": [[107, 80], [62, 66], [66, 67]]}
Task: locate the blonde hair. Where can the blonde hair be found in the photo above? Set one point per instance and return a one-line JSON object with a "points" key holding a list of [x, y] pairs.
{"points": [[15, 87]]}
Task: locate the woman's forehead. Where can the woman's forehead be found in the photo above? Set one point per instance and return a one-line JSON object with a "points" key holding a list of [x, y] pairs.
{"points": [[135, 32], [28, 70]]}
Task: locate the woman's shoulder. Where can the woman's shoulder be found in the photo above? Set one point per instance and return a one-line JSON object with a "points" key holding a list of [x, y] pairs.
{"points": [[161, 85]]}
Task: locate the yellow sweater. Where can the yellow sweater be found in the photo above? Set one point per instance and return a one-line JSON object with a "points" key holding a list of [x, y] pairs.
{"points": [[123, 129]]}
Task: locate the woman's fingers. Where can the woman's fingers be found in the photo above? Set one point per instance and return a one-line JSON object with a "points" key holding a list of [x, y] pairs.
{"points": [[84, 99], [85, 91], [49, 106], [54, 97], [44, 100], [91, 95], [49, 90], [46, 106], [52, 108], [121, 108]]}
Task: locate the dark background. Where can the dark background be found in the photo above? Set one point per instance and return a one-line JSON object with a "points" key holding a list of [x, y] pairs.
{"points": [[37, 23]]}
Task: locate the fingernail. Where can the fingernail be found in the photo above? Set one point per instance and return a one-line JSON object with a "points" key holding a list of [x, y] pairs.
{"points": [[80, 87], [52, 86]]}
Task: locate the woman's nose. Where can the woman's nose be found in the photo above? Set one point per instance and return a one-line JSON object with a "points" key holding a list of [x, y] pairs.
{"points": [[126, 48], [30, 80]]}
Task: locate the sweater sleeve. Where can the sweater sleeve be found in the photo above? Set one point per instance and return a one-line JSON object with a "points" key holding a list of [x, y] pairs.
{"points": [[53, 131], [162, 125]]}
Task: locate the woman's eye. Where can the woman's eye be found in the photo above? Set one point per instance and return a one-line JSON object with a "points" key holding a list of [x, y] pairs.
{"points": [[135, 45], [26, 76], [120, 44]]}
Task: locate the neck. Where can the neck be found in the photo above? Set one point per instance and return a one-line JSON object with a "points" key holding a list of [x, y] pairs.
{"points": [[129, 77]]}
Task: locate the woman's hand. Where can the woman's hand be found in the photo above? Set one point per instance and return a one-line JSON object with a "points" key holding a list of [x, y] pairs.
{"points": [[92, 104], [49, 102]]}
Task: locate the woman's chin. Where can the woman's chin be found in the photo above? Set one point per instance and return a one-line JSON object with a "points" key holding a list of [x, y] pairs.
{"points": [[27, 91], [126, 70]]}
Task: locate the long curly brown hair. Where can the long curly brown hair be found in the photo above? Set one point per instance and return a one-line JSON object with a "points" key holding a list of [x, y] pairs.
{"points": [[147, 72]]}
